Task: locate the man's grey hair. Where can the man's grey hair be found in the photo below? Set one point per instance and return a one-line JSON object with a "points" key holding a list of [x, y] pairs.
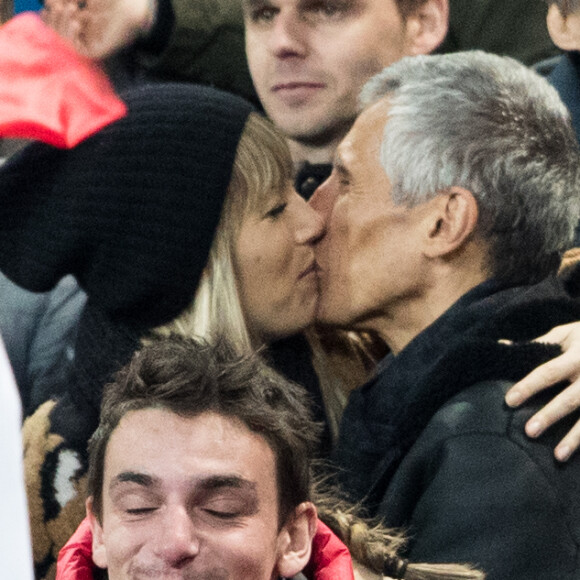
{"points": [[490, 125]]}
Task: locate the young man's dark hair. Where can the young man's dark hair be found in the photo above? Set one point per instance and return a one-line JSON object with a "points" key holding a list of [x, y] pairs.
{"points": [[188, 377]]}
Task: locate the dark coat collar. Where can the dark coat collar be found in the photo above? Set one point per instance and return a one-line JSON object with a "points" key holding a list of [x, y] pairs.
{"points": [[386, 416]]}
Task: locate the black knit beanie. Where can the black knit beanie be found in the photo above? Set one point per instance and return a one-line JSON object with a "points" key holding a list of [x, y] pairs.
{"points": [[131, 212]]}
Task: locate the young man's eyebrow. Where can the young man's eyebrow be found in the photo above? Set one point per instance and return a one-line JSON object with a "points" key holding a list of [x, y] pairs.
{"points": [[215, 482], [206, 483], [142, 479]]}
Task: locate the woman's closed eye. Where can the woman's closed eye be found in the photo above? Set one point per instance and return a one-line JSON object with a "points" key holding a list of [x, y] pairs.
{"points": [[277, 210]]}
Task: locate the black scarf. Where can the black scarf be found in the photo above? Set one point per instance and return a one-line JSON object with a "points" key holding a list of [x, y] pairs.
{"points": [[385, 417]]}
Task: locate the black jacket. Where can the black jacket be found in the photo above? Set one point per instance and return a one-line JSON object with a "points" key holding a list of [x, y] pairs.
{"points": [[563, 72], [430, 445]]}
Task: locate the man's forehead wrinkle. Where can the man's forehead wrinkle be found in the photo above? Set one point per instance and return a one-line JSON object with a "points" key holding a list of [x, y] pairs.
{"points": [[357, 148], [338, 164], [344, 154], [370, 133]]}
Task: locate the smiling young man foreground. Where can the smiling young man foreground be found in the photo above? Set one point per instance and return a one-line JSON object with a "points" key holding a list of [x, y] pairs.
{"points": [[200, 468]]}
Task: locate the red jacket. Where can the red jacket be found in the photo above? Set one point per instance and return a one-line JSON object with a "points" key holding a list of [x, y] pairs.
{"points": [[48, 92], [330, 558]]}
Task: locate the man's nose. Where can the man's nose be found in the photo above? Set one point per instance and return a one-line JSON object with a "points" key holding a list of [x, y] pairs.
{"points": [[323, 199], [289, 36], [178, 542]]}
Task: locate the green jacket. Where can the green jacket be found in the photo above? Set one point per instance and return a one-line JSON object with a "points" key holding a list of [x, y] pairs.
{"points": [[207, 46], [514, 28]]}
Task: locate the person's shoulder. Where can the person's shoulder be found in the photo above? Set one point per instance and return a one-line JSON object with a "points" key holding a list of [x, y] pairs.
{"points": [[477, 408], [480, 410], [474, 417], [546, 67]]}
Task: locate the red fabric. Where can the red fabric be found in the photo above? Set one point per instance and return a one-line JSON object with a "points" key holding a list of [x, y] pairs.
{"points": [[75, 559], [330, 558], [47, 91]]}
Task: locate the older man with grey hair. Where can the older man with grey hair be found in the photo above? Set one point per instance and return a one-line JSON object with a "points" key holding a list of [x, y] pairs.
{"points": [[449, 206]]}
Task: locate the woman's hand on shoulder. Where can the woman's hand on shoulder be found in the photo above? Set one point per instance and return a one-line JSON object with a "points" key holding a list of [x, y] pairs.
{"points": [[565, 367]]}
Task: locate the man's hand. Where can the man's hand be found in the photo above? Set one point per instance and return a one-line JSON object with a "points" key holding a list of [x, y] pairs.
{"points": [[100, 28], [565, 367]]}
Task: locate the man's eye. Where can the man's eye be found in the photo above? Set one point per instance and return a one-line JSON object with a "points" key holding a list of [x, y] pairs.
{"points": [[264, 14], [223, 515], [328, 9], [277, 211], [140, 511]]}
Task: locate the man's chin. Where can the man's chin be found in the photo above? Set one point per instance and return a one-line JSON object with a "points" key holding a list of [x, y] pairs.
{"points": [[326, 315], [311, 127]]}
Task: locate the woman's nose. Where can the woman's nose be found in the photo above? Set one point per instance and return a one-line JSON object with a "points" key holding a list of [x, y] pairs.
{"points": [[310, 224]]}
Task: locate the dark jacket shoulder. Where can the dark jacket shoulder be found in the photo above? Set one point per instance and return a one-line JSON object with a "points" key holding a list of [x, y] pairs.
{"points": [[473, 481]]}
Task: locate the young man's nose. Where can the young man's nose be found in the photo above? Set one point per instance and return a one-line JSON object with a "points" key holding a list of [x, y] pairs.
{"points": [[178, 539]]}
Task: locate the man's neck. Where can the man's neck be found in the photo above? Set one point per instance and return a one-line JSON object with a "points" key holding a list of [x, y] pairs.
{"points": [[408, 318], [302, 152]]}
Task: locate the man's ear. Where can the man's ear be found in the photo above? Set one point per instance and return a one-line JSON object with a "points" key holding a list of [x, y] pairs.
{"points": [[564, 30], [99, 550], [295, 540], [426, 27], [451, 222]]}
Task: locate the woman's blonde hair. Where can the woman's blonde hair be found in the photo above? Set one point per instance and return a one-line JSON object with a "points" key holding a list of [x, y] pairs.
{"points": [[261, 171], [376, 547]]}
